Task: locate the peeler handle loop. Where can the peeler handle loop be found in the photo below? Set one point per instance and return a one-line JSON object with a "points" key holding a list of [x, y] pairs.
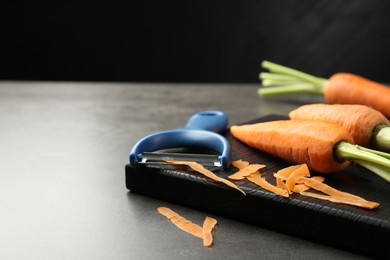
{"points": [[211, 120]]}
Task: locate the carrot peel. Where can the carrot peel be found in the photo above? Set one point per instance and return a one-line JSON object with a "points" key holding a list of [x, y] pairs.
{"points": [[292, 179], [181, 222], [359, 203], [297, 179], [258, 180], [281, 175], [335, 195], [208, 227], [246, 171], [303, 187], [202, 170], [240, 164], [204, 232]]}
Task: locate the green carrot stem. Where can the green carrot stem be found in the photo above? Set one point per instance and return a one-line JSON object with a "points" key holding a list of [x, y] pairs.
{"points": [[290, 77], [279, 82], [294, 89], [381, 171], [371, 161], [381, 138], [380, 153], [276, 68], [275, 76]]}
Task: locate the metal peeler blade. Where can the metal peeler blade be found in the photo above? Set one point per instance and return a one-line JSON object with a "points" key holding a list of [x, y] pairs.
{"points": [[160, 158]]}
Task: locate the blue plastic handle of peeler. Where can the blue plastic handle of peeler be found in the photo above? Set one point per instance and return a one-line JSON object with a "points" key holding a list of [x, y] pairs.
{"points": [[215, 121], [200, 132]]}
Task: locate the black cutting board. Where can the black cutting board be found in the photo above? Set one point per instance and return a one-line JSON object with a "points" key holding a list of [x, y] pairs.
{"points": [[358, 230]]}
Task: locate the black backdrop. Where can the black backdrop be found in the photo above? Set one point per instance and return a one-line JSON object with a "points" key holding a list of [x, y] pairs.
{"points": [[191, 41]]}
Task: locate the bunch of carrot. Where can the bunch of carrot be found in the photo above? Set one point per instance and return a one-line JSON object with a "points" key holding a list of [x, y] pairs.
{"points": [[324, 146], [341, 88]]}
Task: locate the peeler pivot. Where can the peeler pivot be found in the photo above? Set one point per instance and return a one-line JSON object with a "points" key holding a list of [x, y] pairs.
{"points": [[200, 132]]}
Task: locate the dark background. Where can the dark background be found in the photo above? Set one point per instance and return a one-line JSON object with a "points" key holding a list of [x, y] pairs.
{"points": [[191, 41]]}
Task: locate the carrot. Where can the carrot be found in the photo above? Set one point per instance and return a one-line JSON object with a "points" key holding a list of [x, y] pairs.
{"points": [[297, 141], [208, 226], [341, 88], [348, 88], [324, 146], [199, 168], [368, 127]]}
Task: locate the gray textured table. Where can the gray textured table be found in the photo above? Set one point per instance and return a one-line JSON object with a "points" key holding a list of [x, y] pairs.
{"points": [[63, 148]]}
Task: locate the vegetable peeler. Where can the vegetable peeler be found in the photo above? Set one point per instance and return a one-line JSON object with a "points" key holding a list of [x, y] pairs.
{"points": [[200, 132]]}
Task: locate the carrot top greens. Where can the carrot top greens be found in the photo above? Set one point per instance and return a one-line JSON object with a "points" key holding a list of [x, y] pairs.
{"points": [[381, 138], [375, 161], [282, 81]]}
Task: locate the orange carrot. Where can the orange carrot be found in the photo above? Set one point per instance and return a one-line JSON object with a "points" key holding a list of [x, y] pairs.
{"points": [[341, 88], [346, 88], [362, 122], [297, 141], [324, 146]]}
